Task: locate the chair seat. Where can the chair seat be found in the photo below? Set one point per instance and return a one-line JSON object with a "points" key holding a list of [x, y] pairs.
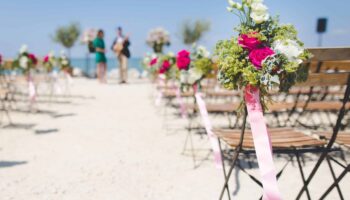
{"points": [[216, 108], [172, 94], [326, 105], [343, 138], [280, 137], [223, 93]]}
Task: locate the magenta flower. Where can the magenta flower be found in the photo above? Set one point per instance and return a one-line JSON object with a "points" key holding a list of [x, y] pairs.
{"points": [[183, 60], [33, 58], [257, 56], [165, 67], [46, 59], [248, 41], [153, 61]]}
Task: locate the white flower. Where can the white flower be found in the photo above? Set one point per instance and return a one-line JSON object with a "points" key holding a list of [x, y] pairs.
{"points": [[194, 75], [23, 62], [64, 62], [23, 49], [290, 48], [231, 3], [259, 12], [234, 5], [259, 18], [249, 2], [171, 54], [230, 9]]}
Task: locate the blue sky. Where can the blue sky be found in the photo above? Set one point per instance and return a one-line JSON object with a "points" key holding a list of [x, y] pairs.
{"points": [[32, 22]]}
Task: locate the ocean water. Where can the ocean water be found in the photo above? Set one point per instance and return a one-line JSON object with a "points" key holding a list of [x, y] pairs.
{"points": [[88, 66]]}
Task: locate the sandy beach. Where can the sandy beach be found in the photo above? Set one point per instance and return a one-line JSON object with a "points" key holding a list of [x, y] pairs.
{"points": [[111, 142]]}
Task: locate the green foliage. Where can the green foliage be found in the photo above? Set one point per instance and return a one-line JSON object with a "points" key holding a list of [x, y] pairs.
{"points": [[192, 32], [67, 35], [203, 65]]}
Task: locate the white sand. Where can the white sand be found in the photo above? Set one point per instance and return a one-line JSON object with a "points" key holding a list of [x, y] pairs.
{"points": [[111, 142]]}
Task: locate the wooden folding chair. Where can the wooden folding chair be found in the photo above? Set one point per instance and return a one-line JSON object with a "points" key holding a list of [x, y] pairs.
{"points": [[288, 141]]}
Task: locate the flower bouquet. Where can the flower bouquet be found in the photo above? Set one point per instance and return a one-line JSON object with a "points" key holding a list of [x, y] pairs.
{"points": [[194, 66], [161, 65], [265, 55], [157, 38], [25, 61], [49, 61], [64, 63]]}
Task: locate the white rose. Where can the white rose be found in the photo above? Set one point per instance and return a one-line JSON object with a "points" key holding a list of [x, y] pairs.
{"points": [[194, 75], [171, 54], [259, 8], [259, 12], [290, 48], [231, 3], [259, 18], [23, 49], [23, 62], [64, 62], [249, 2]]}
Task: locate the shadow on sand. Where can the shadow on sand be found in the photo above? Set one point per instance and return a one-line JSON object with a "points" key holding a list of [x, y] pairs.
{"points": [[4, 164]]}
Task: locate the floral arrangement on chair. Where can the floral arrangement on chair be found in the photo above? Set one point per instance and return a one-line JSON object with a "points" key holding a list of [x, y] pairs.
{"points": [[25, 61], [64, 63], [49, 61], [194, 66], [158, 38], [160, 65], [265, 55]]}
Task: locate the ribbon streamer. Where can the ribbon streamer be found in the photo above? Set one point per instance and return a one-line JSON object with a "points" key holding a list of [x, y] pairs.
{"points": [[31, 89], [209, 129], [262, 144]]}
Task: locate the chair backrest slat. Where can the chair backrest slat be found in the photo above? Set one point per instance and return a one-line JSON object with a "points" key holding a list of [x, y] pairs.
{"points": [[326, 79], [330, 54], [316, 67]]}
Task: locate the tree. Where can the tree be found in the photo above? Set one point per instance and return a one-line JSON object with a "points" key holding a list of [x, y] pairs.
{"points": [[192, 32], [67, 35]]}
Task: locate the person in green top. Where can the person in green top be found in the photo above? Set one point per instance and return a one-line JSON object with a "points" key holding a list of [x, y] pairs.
{"points": [[101, 59]]}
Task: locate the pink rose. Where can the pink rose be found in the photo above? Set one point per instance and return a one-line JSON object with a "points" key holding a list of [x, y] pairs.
{"points": [[153, 61], [183, 53], [248, 41], [46, 59], [0, 59], [183, 60], [33, 58], [165, 67], [257, 56]]}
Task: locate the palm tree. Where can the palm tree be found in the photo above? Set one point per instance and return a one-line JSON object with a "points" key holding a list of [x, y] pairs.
{"points": [[67, 35], [192, 32]]}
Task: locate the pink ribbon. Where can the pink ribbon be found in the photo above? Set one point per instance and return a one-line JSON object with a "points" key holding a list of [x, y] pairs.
{"points": [[160, 92], [209, 129], [262, 143], [31, 89]]}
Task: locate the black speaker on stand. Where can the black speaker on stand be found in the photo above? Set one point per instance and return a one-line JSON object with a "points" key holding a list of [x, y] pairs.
{"points": [[321, 29]]}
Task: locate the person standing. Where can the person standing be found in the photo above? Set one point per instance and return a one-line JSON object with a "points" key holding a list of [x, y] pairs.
{"points": [[101, 59], [120, 47]]}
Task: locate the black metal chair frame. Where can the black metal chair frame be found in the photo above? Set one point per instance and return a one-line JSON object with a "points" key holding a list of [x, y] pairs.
{"points": [[296, 151]]}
